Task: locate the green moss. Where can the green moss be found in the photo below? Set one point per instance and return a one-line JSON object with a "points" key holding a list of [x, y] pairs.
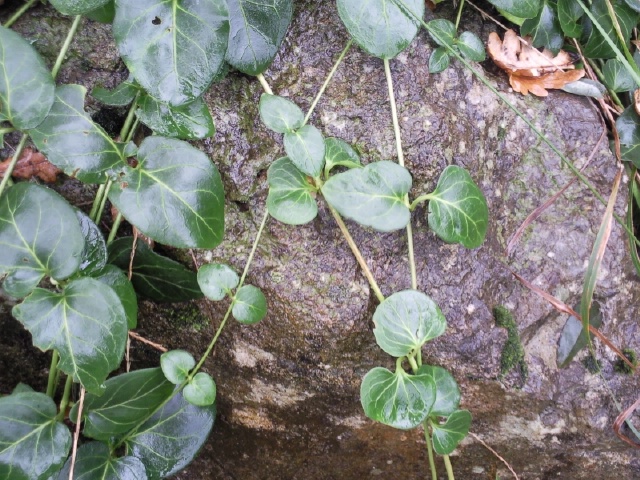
{"points": [[513, 352], [591, 363], [185, 315], [622, 367]]}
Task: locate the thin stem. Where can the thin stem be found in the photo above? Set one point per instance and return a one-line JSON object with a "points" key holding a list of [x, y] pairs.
{"points": [[4, 131], [447, 465], [14, 18], [459, 14], [64, 403], [14, 161], [66, 45], [126, 129], [98, 216], [412, 362], [76, 434], [254, 247], [114, 228], [97, 201], [264, 84], [53, 373], [432, 462]]}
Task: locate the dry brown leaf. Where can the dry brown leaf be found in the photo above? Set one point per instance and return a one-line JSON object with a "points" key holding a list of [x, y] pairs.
{"points": [[31, 164], [538, 85]]}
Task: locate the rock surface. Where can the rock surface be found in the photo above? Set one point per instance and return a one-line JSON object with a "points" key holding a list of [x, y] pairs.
{"points": [[289, 387]]}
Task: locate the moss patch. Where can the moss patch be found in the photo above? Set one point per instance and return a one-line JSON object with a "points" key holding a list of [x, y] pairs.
{"points": [[184, 315], [622, 367], [513, 352]]}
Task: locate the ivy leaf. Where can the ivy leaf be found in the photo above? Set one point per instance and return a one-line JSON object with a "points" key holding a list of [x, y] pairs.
{"points": [[216, 280], [518, 8], [94, 461], [173, 49], [118, 281], [573, 337], [201, 391], [596, 46], [77, 7], [471, 47], [154, 276], [442, 31], [458, 211], [94, 254], [446, 437], [39, 235], [617, 77], [129, 399], [169, 440], [405, 321], [85, 323], [439, 60], [279, 114], [398, 400], [628, 126], [249, 305], [27, 89], [175, 203], [120, 96], [447, 391], [73, 143], [256, 30], [372, 196], [104, 14], [569, 15], [381, 27], [191, 121], [545, 29], [176, 365], [339, 153], [305, 148], [291, 198], [33, 445]]}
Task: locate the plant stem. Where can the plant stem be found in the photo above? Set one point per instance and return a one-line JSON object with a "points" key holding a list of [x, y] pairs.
{"points": [[254, 247], [126, 129], [264, 84], [114, 228], [459, 14], [4, 131], [97, 201], [66, 45], [103, 202], [53, 373], [420, 199], [427, 438], [447, 465], [14, 161], [14, 18], [64, 403]]}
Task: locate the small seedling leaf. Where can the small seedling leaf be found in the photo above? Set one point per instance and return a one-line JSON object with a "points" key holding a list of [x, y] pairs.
{"points": [[249, 305], [305, 148], [471, 47], [596, 46], [279, 114], [544, 29], [94, 461], [446, 437], [77, 7], [519, 8], [291, 198], [617, 77], [569, 15], [118, 281], [190, 121], [573, 338], [216, 280], [447, 391], [201, 391], [94, 254], [442, 31], [339, 153], [439, 60], [176, 365]]}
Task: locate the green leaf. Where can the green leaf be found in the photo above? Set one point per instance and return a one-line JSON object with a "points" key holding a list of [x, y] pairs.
{"points": [[628, 126], [177, 203], [596, 46], [439, 60], [191, 121], [74, 143], [120, 96], [586, 88], [446, 437], [617, 77], [305, 148], [458, 211], [447, 391], [471, 47], [256, 29], [33, 445], [216, 280], [442, 31], [77, 7], [381, 27], [129, 399], [279, 114], [569, 15], [39, 236], [339, 153], [398, 400], [519, 8], [634, 4], [173, 49], [154, 276], [85, 322], [291, 198], [405, 321], [176, 365], [201, 391], [545, 29], [94, 461], [249, 305], [94, 254], [573, 337], [118, 281], [168, 441], [104, 14], [372, 196], [27, 89]]}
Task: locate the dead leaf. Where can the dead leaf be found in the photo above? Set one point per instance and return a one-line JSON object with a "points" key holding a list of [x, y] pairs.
{"points": [[31, 164], [636, 101]]}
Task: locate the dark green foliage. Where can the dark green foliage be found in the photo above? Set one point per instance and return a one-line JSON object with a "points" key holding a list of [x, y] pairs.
{"points": [[592, 364], [621, 366], [513, 356]]}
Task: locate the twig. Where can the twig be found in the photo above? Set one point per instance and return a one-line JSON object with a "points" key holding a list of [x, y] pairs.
{"points": [[76, 434], [140, 338], [515, 475]]}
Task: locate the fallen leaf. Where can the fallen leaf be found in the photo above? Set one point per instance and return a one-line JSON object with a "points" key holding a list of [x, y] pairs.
{"points": [[31, 164]]}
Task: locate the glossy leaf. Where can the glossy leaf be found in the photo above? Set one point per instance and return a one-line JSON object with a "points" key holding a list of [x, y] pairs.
{"points": [[201, 391], [85, 323], [446, 437], [256, 31], [77, 7], [458, 211], [118, 281], [191, 121], [174, 195], [439, 60], [398, 400], [372, 196], [305, 148], [338, 153], [519, 8], [381, 27], [249, 305], [94, 254], [291, 198], [544, 29], [74, 143], [27, 89], [617, 77], [176, 365], [120, 96], [173, 49], [154, 276], [447, 391], [628, 126], [405, 321], [169, 440], [216, 280], [104, 14], [471, 47], [569, 15], [279, 114], [33, 445], [442, 31], [129, 400], [95, 462], [596, 46], [634, 4], [39, 236], [573, 338]]}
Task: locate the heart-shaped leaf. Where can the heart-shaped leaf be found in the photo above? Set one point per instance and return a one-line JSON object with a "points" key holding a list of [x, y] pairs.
{"points": [[73, 143], [77, 7], [249, 305], [569, 14], [191, 121], [94, 255], [446, 437], [27, 89], [118, 281], [519, 8], [617, 77], [339, 153], [447, 391], [471, 47], [544, 29], [176, 365], [256, 31], [201, 391], [216, 280], [381, 27], [85, 323], [94, 461], [628, 126], [154, 276], [398, 400], [291, 197], [177, 203], [279, 114], [596, 46], [442, 31], [439, 60], [120, 96], [372, 196], [405, 321], [305, 148], [173, 48], [39, 235], [129, 400], [458, 211], [33, 445]]}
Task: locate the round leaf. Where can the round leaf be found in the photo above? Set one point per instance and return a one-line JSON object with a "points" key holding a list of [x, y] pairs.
{"points": [[201, 390], [249, 305], [305, 148], [398, 400], [77, 7], [217, 280], [439, 60], [442, 31], [519, 8], [120, 96], [405, 321], [176, 365], [94, 461], [191, 121], [118, 281], [339, 153], [291, 197], [446, 437], [279, 114], [471, 47], [458, 211], [94, 255], [447, 391]]}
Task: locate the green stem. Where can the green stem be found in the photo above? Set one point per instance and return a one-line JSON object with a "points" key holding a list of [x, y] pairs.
{"points": [[53, 370], [447, 465], [66, 45], [114, 228], [264, 84], [64, 403], [427, 438], [14, 161], [6, 130], [103, 202], [97, 201], [616, 27], [412, 362], [459, 14], [126, 129], [420, 199], [254, 247], [14, 18]]}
